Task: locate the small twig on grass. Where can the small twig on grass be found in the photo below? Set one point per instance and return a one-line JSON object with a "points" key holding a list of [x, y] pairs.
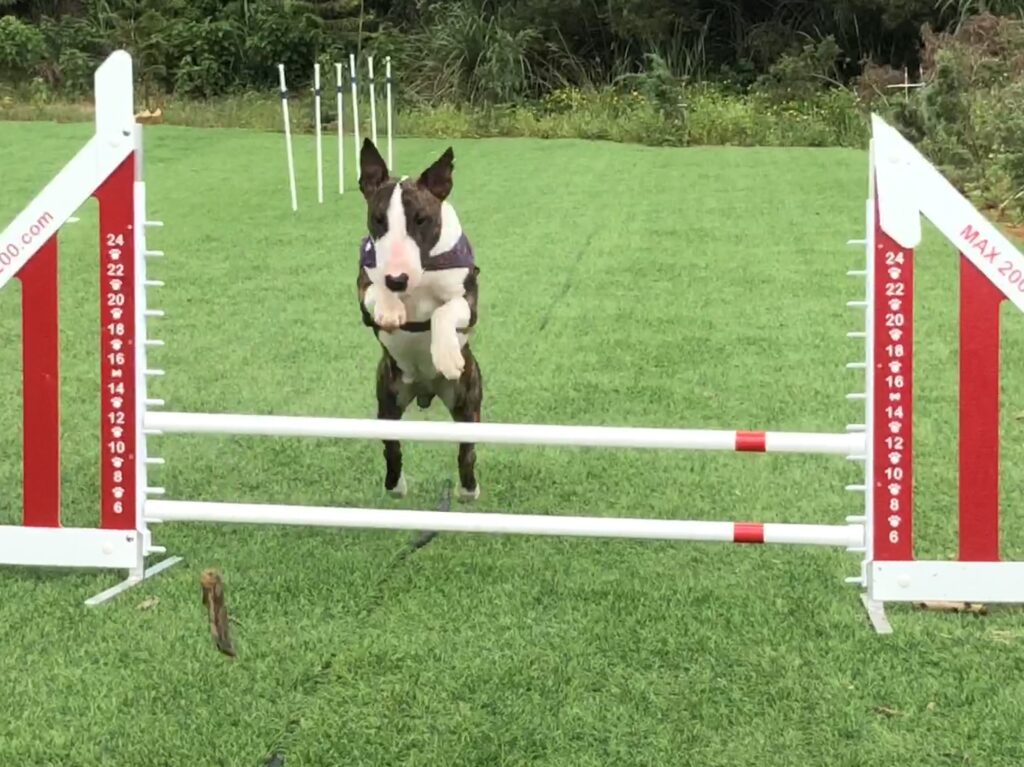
{"points": [[213, 598], [1003, 637]]}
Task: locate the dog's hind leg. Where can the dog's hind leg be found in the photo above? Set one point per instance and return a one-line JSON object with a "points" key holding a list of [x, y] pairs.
{"points": [[392, 399], [464, 403]]}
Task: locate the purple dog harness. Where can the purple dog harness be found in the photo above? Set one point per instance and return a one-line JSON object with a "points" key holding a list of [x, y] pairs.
{"points": [[459, 257]]}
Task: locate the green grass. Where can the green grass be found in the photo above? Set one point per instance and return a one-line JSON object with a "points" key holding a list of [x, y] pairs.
{"points": [[621, 285]]}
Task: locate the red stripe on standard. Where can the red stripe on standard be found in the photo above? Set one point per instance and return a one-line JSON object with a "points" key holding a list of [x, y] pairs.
{"points": [[751, 442], [41, 397], [748, 532], [980, 302]]}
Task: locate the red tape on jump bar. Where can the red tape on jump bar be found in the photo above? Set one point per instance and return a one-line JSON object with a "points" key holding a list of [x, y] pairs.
{"points": [[751, 442], [748, 532]]}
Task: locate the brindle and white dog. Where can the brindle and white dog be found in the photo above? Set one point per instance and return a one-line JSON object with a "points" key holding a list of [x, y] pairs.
{"points": [[418, 291]]}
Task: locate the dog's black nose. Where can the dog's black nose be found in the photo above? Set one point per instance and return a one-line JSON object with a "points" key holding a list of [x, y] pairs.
{"points": [[397, 284]]}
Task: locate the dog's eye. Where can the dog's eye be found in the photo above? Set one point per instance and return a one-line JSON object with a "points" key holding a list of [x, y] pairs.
{"points": [[381, 221], [421, 220]]}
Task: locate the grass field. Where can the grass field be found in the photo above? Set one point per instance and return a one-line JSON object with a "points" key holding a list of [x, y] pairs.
{"points": [[621, 285]]}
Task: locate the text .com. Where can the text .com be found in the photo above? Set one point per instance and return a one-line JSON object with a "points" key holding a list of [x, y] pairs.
{"points": [[10, 251]]}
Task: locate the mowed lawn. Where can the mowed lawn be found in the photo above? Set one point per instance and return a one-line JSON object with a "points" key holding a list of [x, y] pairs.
{"points": [[620, 285]]}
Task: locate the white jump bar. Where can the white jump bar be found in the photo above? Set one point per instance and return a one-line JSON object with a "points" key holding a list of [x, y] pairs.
{"points": [[850, 535], [504, 433]]}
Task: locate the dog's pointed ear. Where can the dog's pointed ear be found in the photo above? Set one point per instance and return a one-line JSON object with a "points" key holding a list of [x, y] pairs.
{"points": [[437, 179], [373, 171]]}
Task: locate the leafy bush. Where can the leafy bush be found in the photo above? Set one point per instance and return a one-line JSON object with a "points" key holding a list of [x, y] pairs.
{"points": [[210, 53], [659, 86], [804, 74], [22, 47], [74, 48], [713, 115], [467, 54], [969, 118], [288, 35]]}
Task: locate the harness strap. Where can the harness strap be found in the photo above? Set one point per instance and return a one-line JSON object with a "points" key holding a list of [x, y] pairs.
{"points": [[420, 326], [460, 256]]}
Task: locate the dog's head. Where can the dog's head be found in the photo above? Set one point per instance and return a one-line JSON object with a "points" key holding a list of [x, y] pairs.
{"points": [[409, 221]]}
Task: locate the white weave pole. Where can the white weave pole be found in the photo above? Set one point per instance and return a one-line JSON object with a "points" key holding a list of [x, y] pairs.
{"points": [[387, 84], [341, 121], [288, 136], [319, 137], [373, 101], [355, 110]]}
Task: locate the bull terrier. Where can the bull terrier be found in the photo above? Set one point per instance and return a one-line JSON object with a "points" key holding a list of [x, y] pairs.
{"points": [[417, 289]]}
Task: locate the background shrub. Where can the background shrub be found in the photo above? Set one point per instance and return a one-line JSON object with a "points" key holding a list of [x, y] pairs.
{"points": [[749, 72], [22, 48]]}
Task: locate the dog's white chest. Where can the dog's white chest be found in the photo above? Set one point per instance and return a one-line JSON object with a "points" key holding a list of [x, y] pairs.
{"points": [[412, 353], [411, 350]]}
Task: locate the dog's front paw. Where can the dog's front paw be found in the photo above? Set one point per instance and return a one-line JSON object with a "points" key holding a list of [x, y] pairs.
{"points": [[446, 354], [389, 315]]}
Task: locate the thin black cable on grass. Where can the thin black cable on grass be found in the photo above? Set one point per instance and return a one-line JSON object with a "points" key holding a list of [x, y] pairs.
{"points": [[321, 675]]}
